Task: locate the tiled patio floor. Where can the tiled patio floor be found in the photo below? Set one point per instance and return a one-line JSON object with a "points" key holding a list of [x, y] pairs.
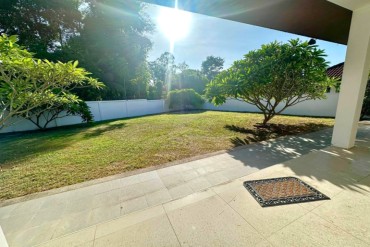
{"points": [[204, 203]]}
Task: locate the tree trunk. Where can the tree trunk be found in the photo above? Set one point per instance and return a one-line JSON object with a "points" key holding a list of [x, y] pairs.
{"points": [[267, 118]]}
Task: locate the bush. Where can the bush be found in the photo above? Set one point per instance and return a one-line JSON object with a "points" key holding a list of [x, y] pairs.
{"points": [[185, 99]]}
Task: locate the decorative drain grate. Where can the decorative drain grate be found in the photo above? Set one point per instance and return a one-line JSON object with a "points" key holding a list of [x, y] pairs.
{"points": [[280, 191]]}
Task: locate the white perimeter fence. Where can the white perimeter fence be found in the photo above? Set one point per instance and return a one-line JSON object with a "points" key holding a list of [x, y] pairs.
{"points": [[101, 110], [106, 110], [318, 108]]}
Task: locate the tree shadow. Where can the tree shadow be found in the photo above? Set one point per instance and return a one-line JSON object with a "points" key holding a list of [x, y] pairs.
{"points": [[263, 133], [181, 112], [310, 155], [15, 147], [97, 131]]}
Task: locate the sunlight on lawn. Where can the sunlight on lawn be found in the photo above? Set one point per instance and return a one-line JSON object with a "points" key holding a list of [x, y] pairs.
{"points": [[39, 161]]}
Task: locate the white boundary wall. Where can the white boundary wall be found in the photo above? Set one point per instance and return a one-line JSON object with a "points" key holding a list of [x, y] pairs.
{"points": [[106, 110], [318, 108], [101, 110]]}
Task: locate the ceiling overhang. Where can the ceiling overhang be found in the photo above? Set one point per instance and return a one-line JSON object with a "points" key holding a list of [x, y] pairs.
{"points": [[319, 19]]}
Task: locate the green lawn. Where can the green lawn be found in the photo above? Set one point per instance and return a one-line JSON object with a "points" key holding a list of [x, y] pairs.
{"points": [[38, 161]]}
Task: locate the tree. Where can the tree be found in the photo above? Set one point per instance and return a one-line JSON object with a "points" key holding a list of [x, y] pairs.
{"points": [[274, 77], [43, 115], [212, 66], [108, 38], [140, 83], [182, 66], [113, 46], [162, 71], [27, 83], [42, 26], [191, 78]]}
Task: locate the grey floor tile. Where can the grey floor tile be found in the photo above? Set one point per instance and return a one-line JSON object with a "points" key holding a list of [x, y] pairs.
{"points": [[216, 178], [158, 197], [72, 223], [148, 176], [5, 211], [105, 213], [180, 191], [150, 186], [33, 235], [173, 180], [129, 180], [133, 205], [198, 184], [107, 198], [189, 175], [211, 222]]}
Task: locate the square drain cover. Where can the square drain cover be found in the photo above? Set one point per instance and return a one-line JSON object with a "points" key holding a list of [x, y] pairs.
{"points": [[280, 191]]}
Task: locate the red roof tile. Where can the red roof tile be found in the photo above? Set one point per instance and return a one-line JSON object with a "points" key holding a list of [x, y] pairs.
{"points": [[335, 71]]}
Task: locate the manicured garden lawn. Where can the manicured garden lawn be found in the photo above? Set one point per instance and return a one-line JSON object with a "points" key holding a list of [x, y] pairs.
{"points": [[38, 161]]}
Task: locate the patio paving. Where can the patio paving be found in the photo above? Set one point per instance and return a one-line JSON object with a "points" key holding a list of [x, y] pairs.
{"points": [[204, 203]]}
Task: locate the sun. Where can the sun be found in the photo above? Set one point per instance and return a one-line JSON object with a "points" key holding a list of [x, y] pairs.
{"points": [[174, 23]]}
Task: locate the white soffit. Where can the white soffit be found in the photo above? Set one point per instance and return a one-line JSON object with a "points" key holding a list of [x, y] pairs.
{"points": [[351, 4]]}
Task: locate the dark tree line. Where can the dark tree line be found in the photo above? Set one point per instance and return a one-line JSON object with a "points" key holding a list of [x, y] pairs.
{"points": [[108, 38], [167, 76]]}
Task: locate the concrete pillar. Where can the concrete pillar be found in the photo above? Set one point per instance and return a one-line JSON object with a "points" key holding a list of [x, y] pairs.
{"points": [[354, 79], [3, 242]]}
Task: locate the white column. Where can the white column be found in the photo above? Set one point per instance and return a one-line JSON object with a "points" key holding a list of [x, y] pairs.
{"points": [[354, 79], [3, 242]]}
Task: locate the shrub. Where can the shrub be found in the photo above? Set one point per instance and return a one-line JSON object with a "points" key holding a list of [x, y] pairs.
{"points": [[184, 99]]}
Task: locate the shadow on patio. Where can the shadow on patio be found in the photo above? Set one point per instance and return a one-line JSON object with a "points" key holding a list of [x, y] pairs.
{"points": [[340, 167]]}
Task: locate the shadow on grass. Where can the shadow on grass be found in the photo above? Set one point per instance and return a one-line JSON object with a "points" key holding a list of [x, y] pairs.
{"points": [[263, 133], [97, 131], [186, 111], [20, 146]]}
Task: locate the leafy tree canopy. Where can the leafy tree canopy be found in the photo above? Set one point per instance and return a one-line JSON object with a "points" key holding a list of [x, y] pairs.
{"points": [[191, 78], [113, 46], [212, 66], [41, 26], [182, 66], [274, 77], [162, 67], [162, 72], [27, 83], [107, 37]]}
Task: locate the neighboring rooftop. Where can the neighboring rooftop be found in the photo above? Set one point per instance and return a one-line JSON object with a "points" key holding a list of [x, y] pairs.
{"points": [[336, 71]]}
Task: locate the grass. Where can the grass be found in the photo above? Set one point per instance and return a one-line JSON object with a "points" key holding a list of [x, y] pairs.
{"points": [[38, 161]]}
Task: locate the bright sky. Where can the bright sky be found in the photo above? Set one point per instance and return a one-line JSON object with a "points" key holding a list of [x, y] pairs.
{"points": [[227, 39]]}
